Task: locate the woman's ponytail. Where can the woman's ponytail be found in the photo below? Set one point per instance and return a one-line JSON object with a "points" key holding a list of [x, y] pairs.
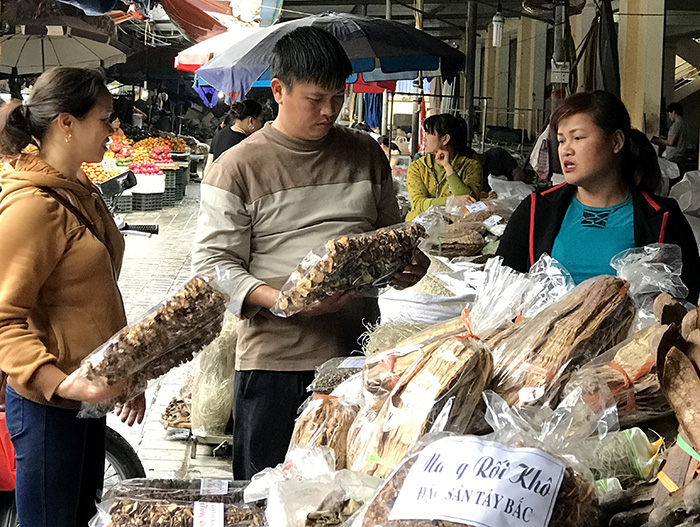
{"points": [[644, 163], [15, 128]]}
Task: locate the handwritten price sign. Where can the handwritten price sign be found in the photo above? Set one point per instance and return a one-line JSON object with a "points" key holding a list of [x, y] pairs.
{"points": [[477, 482]]}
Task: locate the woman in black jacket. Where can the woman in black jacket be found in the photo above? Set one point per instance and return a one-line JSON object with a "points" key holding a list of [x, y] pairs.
{"points": [[607, 203]]}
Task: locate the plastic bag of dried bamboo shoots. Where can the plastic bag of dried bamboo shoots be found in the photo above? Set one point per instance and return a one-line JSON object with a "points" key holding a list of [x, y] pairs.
{"points": [[325, 422], [168, 335], [363, 262], [650, 271], [535, 357], [440, 391], [628, 372]]}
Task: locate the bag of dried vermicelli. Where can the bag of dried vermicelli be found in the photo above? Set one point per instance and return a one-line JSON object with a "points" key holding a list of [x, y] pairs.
{"points": [[438, 392], [212, 388], [325, 422], [628, 372], [525, 473], [534, 357]]}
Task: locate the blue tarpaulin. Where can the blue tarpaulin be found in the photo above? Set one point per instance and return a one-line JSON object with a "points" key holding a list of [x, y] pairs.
{"points": [[373, 109]]}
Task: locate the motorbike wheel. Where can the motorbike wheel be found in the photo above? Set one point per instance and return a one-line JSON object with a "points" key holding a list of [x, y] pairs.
{"points": [[121, 462]]}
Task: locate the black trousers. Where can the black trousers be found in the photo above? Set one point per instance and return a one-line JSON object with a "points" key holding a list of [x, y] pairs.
{"points": [[265, 407]]}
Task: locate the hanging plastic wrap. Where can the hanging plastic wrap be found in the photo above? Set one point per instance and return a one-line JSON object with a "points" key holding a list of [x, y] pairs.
{"points": [[325, 421], [526, 473], [363, 262], [650, 271], [167, 336], [534, 357], [212, 388], [440, 391]]}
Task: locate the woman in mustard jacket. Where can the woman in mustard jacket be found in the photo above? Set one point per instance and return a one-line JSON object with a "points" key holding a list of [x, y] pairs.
{"points": [[446, 169]]}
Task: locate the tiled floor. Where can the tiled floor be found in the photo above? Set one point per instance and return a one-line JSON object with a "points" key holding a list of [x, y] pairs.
{"points": [[152, 268]]}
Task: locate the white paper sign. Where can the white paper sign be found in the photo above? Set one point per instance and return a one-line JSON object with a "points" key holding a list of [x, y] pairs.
{"points": [[493, 220], [477, 482], [476, 207], [208, 514], [213, 487], [352, 363]]}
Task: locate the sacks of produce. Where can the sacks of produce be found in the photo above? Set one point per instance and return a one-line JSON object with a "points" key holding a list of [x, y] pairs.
{"points": [[440, 391], [164, 338], [534, 357], [325, 422], [361, 262]]}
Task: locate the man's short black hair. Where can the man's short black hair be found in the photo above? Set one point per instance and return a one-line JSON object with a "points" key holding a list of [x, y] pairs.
{"points": [[310, 54], [675, 107]]}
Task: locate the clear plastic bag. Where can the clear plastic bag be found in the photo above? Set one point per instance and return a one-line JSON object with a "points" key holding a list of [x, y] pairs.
{"points": [[650, 271], [165, 337], [329, 499], [440, 391], [535, 357], [628, 372], [325, 421], [212, 388], [334, 372], [176, 502], [363, 262]]}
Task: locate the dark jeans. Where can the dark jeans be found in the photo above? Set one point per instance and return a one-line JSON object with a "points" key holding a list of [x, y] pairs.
{"points": [[60, 463], [265, 406]]}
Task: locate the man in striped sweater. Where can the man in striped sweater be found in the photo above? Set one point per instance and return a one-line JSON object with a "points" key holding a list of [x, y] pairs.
{"points": [[265, 204]]}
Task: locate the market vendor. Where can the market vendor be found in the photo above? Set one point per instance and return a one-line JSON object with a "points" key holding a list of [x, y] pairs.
{"points": [[446, 169], [607, 203], [244, 118], [116, 124], [265, 204], [60, 256]]}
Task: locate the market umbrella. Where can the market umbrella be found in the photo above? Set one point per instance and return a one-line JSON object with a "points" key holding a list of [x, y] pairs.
{"points": [[194, 57], [379, 49], [41, 44]]}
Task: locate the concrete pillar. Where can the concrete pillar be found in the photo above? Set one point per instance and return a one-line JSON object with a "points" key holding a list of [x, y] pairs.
{"points": [[470, 67], [580, 25], [640, 44]]}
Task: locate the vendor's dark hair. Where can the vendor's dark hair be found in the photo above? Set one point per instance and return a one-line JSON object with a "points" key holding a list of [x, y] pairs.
{"points": [[608, 112], [675, 107], [59, 90], [310, 54], [455, 127], [247, 108], [648, 168]]}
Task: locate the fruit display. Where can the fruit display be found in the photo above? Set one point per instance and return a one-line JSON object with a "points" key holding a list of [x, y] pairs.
{"points": [[141, 155], [121, 149], [146, 168], [97, 173], [122, 138], [161, 155], [174, 144]]}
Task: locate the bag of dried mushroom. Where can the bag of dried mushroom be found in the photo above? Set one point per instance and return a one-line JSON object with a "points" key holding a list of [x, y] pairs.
{"points": [[165, 337], [525, 473], [177, 503], [363, 262]]}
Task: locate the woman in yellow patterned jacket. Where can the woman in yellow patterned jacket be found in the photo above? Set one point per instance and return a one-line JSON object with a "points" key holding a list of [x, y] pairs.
{"points": [[446, 169]]}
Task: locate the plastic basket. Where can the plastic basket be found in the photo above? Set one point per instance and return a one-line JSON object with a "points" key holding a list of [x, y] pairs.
{"points": [[170, 197], [144, 202], [125, 203]]}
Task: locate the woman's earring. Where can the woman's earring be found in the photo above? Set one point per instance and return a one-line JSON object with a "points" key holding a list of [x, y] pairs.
{"points": [[68, 138]]}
